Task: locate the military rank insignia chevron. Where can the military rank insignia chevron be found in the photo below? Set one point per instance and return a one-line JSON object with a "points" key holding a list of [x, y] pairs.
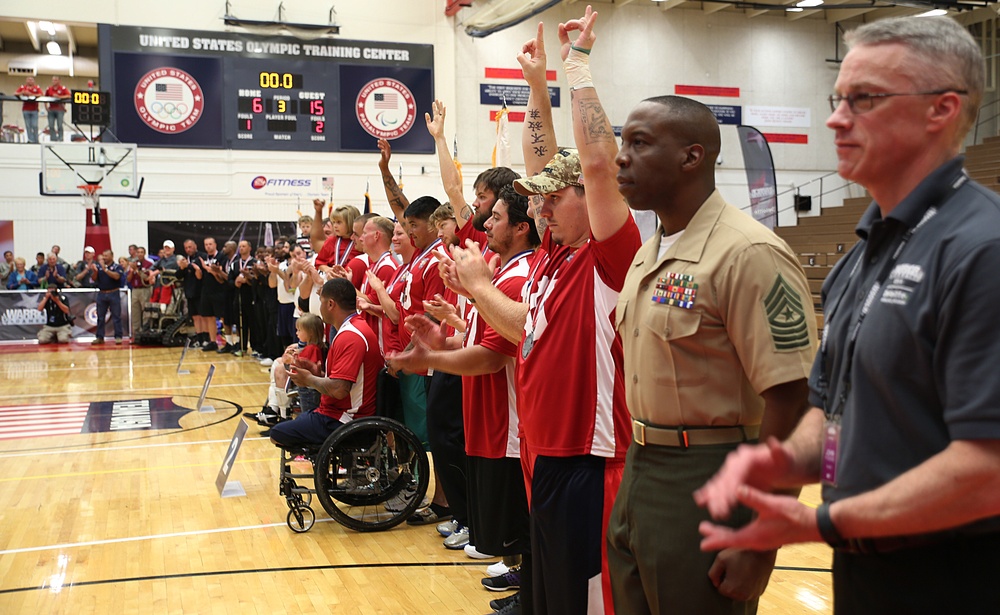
{"points": [[786, 317]]}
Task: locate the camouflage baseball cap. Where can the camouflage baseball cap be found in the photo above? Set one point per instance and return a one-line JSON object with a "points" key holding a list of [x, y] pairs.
{"points": [[562, 171]]}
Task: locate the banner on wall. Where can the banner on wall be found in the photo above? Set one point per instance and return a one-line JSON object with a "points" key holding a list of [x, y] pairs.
{"points": [[21, 320], [6, 236], [185, 88], [761, 180]]}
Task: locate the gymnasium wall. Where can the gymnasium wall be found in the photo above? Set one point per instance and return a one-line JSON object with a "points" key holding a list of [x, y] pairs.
{"points": [[641, 51]]}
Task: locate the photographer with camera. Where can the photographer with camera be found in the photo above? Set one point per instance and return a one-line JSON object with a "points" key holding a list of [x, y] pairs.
{"points": [[58, 322]]}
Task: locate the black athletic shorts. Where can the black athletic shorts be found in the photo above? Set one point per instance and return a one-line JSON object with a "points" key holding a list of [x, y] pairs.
{"points": [[498, 506], [213, 303]]}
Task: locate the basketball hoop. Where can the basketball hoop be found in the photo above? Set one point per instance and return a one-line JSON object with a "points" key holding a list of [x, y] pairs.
{"points": [[90, 196]]}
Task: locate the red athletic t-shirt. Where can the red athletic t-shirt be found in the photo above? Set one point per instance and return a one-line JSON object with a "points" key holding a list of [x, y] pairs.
{"points": [[314, 354], [422, 281], [357, 267], [390, 330], [354, 356], [489, 402], [571, 395], [336, 251], [385, 270], [57, 92], [29, 90]]}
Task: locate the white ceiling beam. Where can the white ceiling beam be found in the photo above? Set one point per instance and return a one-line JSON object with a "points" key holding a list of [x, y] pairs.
{"points": [[713, 7]]}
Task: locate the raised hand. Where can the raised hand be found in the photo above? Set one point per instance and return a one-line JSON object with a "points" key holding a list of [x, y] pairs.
{"points": [[435, 123], [386, 150], [585, 26], [532, 59]]}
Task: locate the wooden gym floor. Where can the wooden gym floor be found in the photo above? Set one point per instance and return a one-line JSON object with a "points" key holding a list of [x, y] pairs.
{"points": [[126, 518]]}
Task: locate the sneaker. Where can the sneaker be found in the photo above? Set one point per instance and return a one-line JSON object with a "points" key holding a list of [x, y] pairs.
{"points": [[268, 418], [266, 433], [471, 552], [447, 528], [265, 362], [97, 342], [194, 342], [118, 341], [225, 349], [458, 539], [401, 500], [237, 353], [508, 605], [210, 347], [425, 516], [497, 569], [505, 582]]}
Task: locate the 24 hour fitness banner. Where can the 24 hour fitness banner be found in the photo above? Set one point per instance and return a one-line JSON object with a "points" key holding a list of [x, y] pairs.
{"points": [[21, 320], [183, 88]]}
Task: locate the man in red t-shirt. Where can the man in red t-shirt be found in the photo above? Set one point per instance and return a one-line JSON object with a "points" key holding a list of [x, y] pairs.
{"points": [[28, 91], [571, 395], [497, 501], [353, 362], [57, 109], [376, 239]]}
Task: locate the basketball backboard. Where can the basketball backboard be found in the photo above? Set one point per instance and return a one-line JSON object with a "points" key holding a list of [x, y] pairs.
{"points": [[65, 166]]}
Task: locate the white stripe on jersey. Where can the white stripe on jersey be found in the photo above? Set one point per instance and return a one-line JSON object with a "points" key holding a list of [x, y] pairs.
{"points": [[605, 301], [358, 388]]}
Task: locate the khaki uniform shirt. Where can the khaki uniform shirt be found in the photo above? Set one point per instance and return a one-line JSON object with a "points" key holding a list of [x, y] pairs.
{"points": [[725, 315]]}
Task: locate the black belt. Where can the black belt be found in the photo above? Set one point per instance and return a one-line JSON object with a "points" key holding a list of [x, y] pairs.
{"points": [[889, 544], [644, 434], [113, 290]]}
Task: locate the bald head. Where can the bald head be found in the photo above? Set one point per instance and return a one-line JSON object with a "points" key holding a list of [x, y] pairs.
{"points": [[691, 123]]}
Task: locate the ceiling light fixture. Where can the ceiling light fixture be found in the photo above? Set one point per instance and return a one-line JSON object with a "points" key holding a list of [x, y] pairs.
{"points": [[794, 9], [805, 4], [933, 13], [53, 48]]}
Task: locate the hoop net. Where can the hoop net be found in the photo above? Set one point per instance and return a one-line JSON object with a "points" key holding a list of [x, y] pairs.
{"points": [[90, 194]]}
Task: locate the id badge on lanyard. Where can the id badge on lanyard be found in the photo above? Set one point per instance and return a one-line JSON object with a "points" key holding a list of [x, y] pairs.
{"points": [[831, 450]]}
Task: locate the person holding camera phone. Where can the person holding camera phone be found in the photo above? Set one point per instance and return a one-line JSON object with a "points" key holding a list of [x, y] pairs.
{"points": [[58, 321]]}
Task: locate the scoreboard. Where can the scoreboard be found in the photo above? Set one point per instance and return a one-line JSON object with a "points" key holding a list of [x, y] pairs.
{"points": [[180, 88], [281, 104], [90, 108]]}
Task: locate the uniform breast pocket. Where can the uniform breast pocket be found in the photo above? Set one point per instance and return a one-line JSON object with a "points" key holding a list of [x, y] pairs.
{"points": [[684, 360]]}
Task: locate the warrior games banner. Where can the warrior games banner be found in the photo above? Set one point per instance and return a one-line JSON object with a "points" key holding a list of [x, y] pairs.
{"points": [[183, 88], [761, 180], [21, 320]]}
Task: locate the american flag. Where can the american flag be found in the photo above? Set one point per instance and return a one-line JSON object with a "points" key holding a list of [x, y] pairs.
{"points": [[42, 420], [169, 91], [387, 100]]}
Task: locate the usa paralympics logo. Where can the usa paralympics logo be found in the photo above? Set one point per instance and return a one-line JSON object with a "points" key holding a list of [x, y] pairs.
{"points": [[385, 108], [169, 100]]}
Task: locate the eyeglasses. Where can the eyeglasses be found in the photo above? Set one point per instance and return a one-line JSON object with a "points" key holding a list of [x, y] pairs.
{"points": [[863, 102]]}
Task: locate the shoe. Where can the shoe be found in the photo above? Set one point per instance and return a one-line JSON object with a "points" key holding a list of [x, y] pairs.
{"points": [[97, 342], [470, 550], [225, 349], [118, 341], [508, 605], [425, 516], [237, 353], [210, 347], [267, 362], [497, 569], [458, 539], [266, 433], [267, 418], [447, 528], [401, 500], [194, 342], [505, 582]]}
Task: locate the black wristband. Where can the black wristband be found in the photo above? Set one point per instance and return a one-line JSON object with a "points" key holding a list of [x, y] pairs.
{"points": [[826, 527]]}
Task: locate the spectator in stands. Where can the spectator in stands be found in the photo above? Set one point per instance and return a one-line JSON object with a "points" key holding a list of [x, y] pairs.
{"points": [[58, 322], [52, 273], [57, 109], [83, 274], [242, 297], [29, 91], [338, 248], [21, 278], [6, 267], [137, 279], [59, 259], [305, 230], [39, 261]]}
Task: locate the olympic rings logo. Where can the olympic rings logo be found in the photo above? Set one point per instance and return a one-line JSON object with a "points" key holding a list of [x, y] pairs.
{"points": [[168, 110]]}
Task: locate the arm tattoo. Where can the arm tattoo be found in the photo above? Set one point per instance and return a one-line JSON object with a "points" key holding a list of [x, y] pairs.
{"points": [[466, 212], [595, 122], [541, 151]]}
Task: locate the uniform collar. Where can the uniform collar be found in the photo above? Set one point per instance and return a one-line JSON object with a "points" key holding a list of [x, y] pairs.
{"points": [[691, 244], [933, 190]]}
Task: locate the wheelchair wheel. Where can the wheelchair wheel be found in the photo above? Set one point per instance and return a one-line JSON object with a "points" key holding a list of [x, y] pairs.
{"points": [[300, 519], [371, 474], [173, 335]]}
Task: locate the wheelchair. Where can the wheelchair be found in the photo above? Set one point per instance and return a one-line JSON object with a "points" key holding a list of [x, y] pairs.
{"points": [[166, 324], [369, 475]]}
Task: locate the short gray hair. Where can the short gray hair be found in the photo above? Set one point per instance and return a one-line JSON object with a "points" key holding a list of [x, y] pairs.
{"points": [[951, 57]]}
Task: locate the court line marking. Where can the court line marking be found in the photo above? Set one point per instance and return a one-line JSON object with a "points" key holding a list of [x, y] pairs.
{"points": [[125, 471], [111, 541], [13, 454], [212, 573], [167, 388]]}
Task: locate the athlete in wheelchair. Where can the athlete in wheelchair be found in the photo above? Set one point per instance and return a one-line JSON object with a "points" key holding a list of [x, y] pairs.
{"points": [[165, 316], [360, 461]]}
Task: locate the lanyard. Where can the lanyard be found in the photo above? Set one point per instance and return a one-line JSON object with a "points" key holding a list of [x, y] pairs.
{"points": [[869, 299]]}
